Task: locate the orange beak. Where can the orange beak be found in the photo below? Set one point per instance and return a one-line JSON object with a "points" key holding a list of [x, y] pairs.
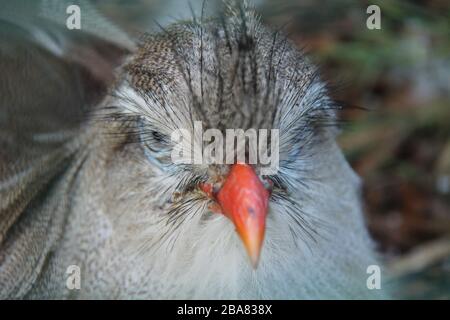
{"points": [[244, 200]]}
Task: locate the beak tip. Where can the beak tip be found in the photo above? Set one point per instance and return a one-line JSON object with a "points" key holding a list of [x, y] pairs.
{"points": [[254, 262], [253, 249]]}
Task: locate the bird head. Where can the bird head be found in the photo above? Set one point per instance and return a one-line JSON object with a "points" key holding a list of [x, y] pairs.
{"points": [[222, 74]]}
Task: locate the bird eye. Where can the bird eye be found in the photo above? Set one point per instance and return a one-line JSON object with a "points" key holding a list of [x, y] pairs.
{"points": [[157, 136], [150, 137], [154, 140], [154, 143]]}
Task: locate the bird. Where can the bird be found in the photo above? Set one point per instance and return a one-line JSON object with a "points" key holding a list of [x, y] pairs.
{"points": [[87, 177]]}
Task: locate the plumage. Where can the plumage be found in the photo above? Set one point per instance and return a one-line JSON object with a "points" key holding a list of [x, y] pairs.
{"points": [[100, 191]]}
